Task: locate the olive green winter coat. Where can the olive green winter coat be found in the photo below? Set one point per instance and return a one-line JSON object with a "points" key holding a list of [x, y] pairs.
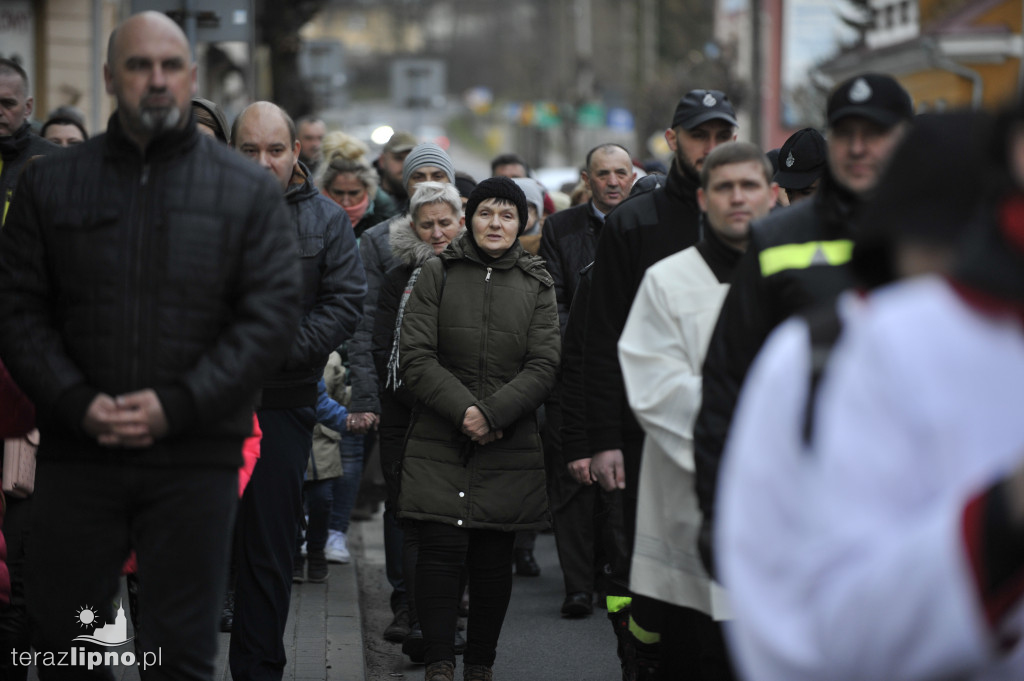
{"points": [[485, 335]]}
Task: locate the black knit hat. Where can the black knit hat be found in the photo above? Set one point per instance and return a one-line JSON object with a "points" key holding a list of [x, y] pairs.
{"points": [[500, 188]]}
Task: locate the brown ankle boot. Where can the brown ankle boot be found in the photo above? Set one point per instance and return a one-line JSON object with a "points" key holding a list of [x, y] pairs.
{"points": [[477, 672], [440, 671]]}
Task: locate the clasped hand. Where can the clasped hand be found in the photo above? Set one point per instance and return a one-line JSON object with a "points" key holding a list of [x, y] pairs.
{"points": [[475, 426], [133, 420]]}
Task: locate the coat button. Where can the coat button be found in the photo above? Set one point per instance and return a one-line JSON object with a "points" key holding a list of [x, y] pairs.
{"points": [[462, 494], [460, 522]]}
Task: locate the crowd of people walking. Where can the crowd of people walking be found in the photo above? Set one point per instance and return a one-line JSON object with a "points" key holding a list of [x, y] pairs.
{"points": [[764, 399]]}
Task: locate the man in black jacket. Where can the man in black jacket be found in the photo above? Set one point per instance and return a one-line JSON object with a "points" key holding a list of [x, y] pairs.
{"points": [[568, 245], [641, 231], [333, 286], [140, 311], [17, 141], [797, 257]]}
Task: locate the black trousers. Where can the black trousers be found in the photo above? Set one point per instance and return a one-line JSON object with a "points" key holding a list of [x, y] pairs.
{"points": [[268, 523], [487, 555], [178, 521], [692, 643]]}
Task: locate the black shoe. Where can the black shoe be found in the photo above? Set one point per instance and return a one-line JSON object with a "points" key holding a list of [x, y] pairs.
{"points": [[414, 646], [399, 627], [299, 571], [227, 613], [317, 567], [578, 604], [460, 643], [526, 564]]}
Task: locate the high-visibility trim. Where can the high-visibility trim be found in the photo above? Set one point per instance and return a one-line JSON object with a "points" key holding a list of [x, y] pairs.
{"points": [[642, 635], [617, 603], [801, 256]]}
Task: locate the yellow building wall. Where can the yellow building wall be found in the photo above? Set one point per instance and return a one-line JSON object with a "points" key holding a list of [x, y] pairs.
{"points": [[928, 88], [69, 75]]}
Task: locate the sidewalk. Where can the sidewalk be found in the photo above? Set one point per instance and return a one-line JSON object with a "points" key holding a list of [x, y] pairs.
{"points": [[324, 636]]}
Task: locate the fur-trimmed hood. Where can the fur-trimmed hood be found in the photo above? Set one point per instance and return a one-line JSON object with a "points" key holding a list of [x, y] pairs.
{"points": [[406, 245]]}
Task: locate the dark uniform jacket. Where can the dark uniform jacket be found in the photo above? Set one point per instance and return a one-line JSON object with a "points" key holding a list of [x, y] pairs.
{"points": [[485, 333], [121, 271], [639, 232], [568, 244], [333, 287], [15, 152], [797, 258]]}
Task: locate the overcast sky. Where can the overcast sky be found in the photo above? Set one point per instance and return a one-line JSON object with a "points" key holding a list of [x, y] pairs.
{"points": [[812, 30]]}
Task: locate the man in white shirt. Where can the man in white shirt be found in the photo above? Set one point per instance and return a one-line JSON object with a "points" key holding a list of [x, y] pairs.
{"points": [[661, 351]]}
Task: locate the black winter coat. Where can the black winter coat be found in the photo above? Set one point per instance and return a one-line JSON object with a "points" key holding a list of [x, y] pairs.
{"points": [[333, 288], [567, 245], [173, 270], [639, 232]]}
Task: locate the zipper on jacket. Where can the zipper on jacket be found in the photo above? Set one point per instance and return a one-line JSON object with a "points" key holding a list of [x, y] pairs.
{"points": [[136, 331], [483, 330]]}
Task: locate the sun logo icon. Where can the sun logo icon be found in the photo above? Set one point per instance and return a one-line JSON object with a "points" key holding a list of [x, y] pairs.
{"points": [[87, 616]]}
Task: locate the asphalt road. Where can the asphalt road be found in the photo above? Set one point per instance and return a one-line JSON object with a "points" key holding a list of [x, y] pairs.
{"points": [[536, 643]]}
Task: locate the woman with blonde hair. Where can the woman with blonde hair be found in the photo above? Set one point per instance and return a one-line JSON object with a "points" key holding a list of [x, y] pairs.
{"points": [[347, 178]]}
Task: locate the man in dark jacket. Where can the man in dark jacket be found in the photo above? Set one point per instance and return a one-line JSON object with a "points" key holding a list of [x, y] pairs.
{"points": [[140, 312], [17, 141], [17, 145], [567, 246], [639, 232], [796, 258], [333, 286]]}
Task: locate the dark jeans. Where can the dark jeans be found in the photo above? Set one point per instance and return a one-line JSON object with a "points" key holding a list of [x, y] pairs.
{"points": [[319, 494], [487, 554], [347, 486], [394, 539], [268, 523], [179, 523]]}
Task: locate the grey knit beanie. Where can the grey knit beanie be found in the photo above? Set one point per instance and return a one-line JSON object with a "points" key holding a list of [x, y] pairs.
{"points": [[427, 154]]}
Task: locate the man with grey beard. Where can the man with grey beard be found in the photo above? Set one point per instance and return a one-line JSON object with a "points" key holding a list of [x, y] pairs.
{"points": [[141, 312]]}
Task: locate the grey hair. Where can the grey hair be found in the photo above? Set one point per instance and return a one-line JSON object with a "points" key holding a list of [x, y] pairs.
{"points": [[365, 173], [426, 193]]}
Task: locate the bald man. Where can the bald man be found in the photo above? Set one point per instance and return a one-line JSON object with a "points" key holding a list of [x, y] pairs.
{"points": [[141, 313], [334, 285]]}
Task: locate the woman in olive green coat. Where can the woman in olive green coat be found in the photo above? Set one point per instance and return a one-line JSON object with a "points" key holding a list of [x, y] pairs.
{"points": [[479, 350]]}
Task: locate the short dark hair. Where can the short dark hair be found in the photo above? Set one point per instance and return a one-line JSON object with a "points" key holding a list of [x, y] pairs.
{"points": [[308, 118], [605, 148], [292, 131], [734, 152], [508, 160], [61, 119], [13, 68]]}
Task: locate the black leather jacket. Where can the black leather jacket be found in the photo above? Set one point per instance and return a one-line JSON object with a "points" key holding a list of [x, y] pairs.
{"points": [[172, 269]]}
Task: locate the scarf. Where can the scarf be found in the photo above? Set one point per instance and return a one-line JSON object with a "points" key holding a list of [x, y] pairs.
{"points": [[356, 212], [394, 382]]}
